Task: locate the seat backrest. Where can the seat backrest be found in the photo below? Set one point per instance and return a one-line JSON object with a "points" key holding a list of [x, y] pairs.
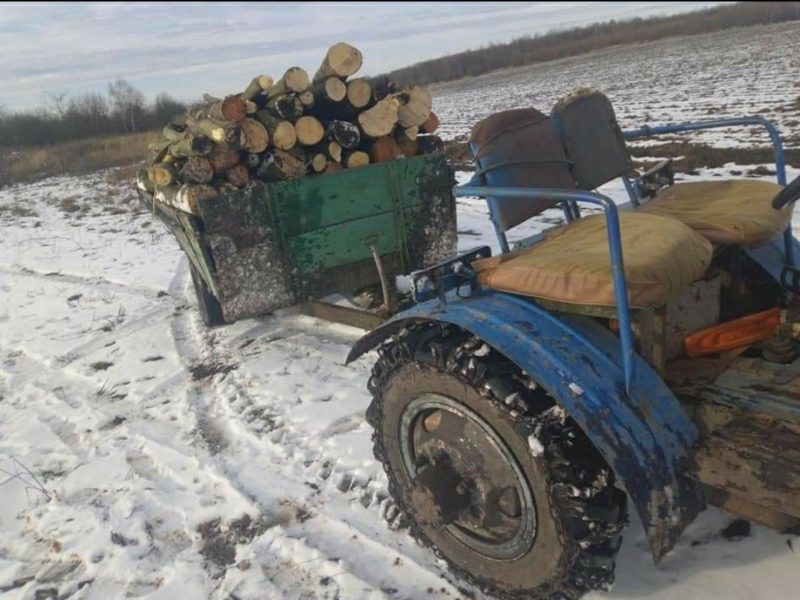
{"points": [[592, 138], [519, 148]]}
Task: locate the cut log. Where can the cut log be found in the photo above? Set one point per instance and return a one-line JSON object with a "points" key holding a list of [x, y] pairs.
{"points": [[408, 147], [256, 86], [251, 107], [252, 160], [143, 180], [285, 106], [306, 99], [162, 174], [333, 167], [232, 108], [354, 159], [331, 89], [186, 196], [427, 144], [318, 162], [256, 136], [221, 133], [407, 134], [380, 119], [415, 106], [223, 158], [346, 134], [359, 93], [279, 165], [281, 132], [179, 122], [238, 175], [309, 130], [172, 134], [169, 159], [294, 80], [331, 150], [431, 124], [197, 169], [383, 149], [341, 60]]}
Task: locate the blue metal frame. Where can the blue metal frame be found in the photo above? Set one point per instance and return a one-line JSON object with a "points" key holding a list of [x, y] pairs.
{"points": [[777, 145], [643, 433], [614, 246]]}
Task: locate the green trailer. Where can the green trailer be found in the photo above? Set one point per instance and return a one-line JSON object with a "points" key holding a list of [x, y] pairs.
{"points": [[276, 245]]}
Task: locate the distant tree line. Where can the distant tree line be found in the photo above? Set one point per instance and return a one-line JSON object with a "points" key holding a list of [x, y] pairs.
{"points": [[581, 40], [123, 109]]}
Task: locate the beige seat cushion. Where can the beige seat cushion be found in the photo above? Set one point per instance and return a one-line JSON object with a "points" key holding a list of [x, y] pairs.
{"points": [[572, 264], [725, 212]]}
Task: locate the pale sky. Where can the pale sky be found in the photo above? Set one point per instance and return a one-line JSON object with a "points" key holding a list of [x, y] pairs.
{"points": [[187, 49]]}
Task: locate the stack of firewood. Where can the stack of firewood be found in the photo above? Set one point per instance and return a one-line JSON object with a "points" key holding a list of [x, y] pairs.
{"points": [[291, 128]]}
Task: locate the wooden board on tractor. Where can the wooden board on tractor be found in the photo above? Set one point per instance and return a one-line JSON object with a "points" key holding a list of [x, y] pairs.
{"points": [[275, 245]]}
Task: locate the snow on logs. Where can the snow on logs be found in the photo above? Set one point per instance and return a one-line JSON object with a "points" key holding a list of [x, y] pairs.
{"points": [[288, 128]]}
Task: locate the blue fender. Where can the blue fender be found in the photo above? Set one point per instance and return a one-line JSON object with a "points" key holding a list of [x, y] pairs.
{"points": [[644, 435]]}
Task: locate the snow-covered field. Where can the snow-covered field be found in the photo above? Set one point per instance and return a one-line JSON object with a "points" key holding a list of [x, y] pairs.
{"points": [[727, 74], [143, 455]]}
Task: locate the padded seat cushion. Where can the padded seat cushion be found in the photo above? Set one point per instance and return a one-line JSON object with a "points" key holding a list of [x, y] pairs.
{"points": [[724, 212], [572, 265]]}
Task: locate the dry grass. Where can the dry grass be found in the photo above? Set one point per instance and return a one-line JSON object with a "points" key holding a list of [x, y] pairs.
{"points": [[75, 158]]}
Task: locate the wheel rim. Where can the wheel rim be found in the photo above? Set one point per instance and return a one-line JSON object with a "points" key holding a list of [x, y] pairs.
{"points": [[464, 478]]}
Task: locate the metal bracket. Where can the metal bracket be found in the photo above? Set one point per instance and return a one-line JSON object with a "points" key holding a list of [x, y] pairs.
{"points": [[437, 280]]}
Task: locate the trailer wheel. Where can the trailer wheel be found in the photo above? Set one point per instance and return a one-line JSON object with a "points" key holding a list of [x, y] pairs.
{"points": [[489, 471], [209, 306]]}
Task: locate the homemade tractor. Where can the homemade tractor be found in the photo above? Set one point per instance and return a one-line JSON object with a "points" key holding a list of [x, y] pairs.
{"points": [[650, 347], [641, 353]]}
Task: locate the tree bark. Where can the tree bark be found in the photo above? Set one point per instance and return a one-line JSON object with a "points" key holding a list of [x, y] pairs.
{"points": [[359, 93], [191, 145], [380, 119], [252, 160], [281, 132], [186, 196], [382, 86], [408, 147], [238, 175], [383, 149], [346, 134], [223, 158], [285, 106], [256, 86], [309, 130], [256, 136], [431, 124], [409, 134], [294, 80], [197, 169], [221, 133], [333, 167], [341, 60]]}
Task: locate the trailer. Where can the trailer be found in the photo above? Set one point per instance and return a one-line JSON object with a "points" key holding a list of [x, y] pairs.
{"points": [[294, 243]]}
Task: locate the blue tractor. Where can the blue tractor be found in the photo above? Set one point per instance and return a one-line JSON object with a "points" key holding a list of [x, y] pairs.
{"points": [[640, 354]]}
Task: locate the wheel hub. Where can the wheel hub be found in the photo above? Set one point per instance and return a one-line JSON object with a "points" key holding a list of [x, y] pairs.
{"points": [[465, 479]]}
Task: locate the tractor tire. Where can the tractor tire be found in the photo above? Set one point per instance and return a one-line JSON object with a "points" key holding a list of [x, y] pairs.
{"points": [[210, 308], [489, 471]]}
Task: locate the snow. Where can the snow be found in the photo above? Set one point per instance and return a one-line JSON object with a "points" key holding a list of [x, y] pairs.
{"points": [[155, 437]]}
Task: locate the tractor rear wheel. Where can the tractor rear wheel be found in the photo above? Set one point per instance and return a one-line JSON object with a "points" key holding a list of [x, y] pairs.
{"points": [[489, 471]]}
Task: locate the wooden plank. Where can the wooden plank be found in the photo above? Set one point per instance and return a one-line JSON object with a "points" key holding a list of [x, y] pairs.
{"points": [[752, 455], [343, 243], [342, 314]]}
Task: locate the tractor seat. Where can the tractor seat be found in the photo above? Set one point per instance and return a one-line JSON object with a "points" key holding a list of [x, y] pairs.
{"points": [[571, 264], [724, 212]]}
